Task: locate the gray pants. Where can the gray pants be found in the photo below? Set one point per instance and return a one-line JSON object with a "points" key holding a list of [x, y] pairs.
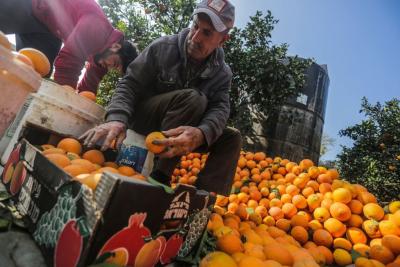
{"points": [[16, 17], [186, 108]]}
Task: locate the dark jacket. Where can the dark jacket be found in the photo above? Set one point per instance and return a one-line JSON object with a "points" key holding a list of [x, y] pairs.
{"points": [[85, 31], [161, 68]]}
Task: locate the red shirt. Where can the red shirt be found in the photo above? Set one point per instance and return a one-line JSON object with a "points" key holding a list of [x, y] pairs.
{"points": [[85, 31]]}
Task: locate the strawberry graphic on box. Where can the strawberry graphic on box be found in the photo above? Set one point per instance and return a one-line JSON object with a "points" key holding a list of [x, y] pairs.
{"points": [[132, 238]]}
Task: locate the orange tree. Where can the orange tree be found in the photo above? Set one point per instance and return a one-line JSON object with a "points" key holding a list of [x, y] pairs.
{"points": [[374, 158]]}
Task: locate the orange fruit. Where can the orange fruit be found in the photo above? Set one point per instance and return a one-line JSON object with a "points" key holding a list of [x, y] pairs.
{"points": [[340, 211], [283, 224], [289, 210], [300, 234], [392, 242], [318, 257], [299, 220], [40, 62], [333, 173], [321, 214], [305, 164], [156, 149], [107, 169], [394, 206], [94, 156], [371, 228], [315, 225], [251, 164], [126, 170], [362, 249], [278, 253], [342, 195], [90, 180], [53, 151], [373, 211], [261, 210], [366, 197], [217, 258], [363, 262], [76, 169], [335, 227], [342, 257], [72, 155], [111, 164], [355, 206], [59, 159], [375, 241], [84, 162], [355, 221], [70, 145], [254, 250], [381, 254], [343, 243], [89, 95], [327, 254], [299, 201], [46, 146], [230, 243], [276, 213], [356, 235], [387, 227], [322, 237]]}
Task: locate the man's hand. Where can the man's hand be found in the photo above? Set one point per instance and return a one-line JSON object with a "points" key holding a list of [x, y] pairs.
{"points": [[180, 141], [108, 131]]}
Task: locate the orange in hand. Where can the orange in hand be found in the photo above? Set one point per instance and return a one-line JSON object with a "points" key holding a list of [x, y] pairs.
{"points": [[156, 149]]}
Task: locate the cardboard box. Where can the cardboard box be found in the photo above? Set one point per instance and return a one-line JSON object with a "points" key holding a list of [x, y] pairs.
{"points": [[124, 220]]}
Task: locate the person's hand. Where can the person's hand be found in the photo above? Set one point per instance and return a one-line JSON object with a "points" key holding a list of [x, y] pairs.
{"points": [[108, 132], [180, 141]]}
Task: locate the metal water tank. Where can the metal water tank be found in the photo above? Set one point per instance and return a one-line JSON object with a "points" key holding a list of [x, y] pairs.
{"points": [[296, 132]]}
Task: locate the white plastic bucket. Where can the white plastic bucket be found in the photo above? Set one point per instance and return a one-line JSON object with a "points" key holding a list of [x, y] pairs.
{"points": [[17, 80], [53, 108]]}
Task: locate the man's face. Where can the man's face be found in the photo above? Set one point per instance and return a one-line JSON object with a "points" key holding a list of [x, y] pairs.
{"points": [[203, 39], [111, 59]]}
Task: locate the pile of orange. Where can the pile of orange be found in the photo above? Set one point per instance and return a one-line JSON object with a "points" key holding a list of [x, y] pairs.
{"points": [[283, 213], [84, 166], [188, 168]]}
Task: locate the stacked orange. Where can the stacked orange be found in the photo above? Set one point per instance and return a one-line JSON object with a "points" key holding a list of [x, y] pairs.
{"points": [[85, 167], [278, 207], [188, 168]]}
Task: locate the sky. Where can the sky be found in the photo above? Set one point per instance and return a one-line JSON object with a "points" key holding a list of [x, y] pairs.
{"points": [[359, 40]]}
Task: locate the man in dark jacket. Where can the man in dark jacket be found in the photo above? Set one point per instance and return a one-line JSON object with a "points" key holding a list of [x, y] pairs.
{"points": [[80, 25], [180, 84]]}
